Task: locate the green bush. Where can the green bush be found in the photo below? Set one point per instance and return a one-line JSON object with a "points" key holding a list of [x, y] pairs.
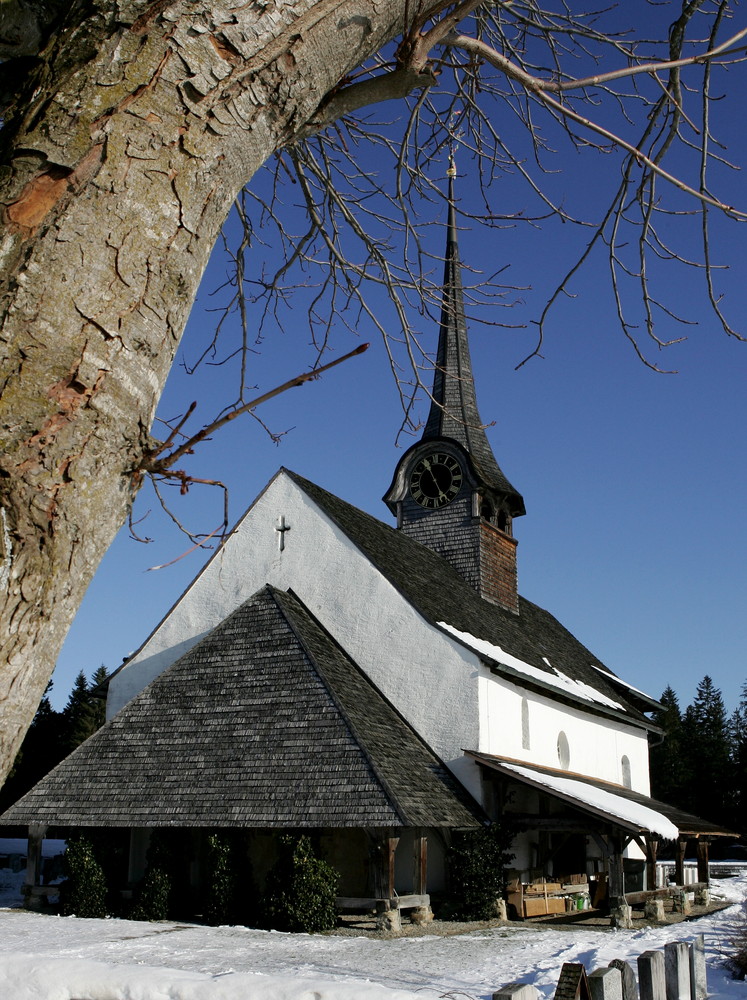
{"points": [[83, 894], [300, 890], [153, 896], [221, 901], [477, 862]]}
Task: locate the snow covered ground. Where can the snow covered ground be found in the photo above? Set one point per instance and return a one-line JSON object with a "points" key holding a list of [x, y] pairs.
{"points": [[65, 958]]}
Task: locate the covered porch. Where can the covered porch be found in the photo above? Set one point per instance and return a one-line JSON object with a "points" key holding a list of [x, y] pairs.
{"points": [[388, 871], [579, 836]]}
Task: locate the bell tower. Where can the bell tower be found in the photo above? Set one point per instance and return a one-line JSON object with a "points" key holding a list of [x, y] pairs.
{"points": [[448, 490]]}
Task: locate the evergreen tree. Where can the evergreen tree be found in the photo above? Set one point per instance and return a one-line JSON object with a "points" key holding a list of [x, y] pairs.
{"points": [[77, 714], [84, 712], [738, 740], [41, 750], [669, 775], [229, 893], [83, 893], [52, 735], [705, 750], [478, 861], [97, 694]]}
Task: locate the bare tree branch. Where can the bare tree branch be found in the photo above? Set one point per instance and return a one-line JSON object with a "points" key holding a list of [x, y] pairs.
{"points": [[151, 463]]}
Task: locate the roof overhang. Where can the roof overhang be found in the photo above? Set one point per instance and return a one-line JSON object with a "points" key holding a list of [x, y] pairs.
{"points": [[622, 807]]}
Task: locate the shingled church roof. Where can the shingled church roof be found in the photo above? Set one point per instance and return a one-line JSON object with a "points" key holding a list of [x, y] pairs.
{"points": [[533, 636], [264, 723]]}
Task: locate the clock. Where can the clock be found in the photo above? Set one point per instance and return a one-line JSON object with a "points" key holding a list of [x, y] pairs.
{"points": [[435, 480]]}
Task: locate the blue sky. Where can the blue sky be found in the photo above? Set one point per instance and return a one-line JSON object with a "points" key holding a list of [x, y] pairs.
{"points": [[634, 481]]}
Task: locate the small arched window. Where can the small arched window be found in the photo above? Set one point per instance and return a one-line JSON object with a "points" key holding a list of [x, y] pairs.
{"points": [[564, 751], [625, 768]]}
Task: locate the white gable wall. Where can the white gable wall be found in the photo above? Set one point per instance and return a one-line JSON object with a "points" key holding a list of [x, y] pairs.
{"points": [[429, 677], [596, 744]]}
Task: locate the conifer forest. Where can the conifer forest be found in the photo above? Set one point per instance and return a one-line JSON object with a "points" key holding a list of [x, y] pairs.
{"points": [[700, 764]]}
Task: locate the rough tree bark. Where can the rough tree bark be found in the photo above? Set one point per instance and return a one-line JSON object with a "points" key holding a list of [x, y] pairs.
{"points": [[146, 120]]}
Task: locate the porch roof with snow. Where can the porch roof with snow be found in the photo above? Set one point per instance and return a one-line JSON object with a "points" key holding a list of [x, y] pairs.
{"points": [[265, 723], [622, 807], [531, 649]]}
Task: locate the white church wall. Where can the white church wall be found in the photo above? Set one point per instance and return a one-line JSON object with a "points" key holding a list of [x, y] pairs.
{"points": [[431, 678], [526, 726]]}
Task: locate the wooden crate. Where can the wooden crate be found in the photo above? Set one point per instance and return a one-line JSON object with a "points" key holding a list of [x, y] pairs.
{"points": [[556, 904], [535, 907]]}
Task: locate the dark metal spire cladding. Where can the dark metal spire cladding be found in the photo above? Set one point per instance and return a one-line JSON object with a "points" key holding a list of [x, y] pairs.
{"points": [[454, 412]]}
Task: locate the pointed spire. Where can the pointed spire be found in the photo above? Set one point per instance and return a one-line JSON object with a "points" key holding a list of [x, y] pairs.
{"points": [[453, 411]]}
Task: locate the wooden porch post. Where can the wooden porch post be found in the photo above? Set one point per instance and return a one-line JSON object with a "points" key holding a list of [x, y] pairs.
{"points": [[34, 855], [385, 846], [420, 864], [616, 875], [679, 861], [652, 849], [703, 875]]}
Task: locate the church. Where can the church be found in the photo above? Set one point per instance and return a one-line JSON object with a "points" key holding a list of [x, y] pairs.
{"points": [[380, 688]]}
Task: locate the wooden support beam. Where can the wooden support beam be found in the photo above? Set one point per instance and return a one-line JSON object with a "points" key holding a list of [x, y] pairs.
{"points": [[652, 849], [703, 875], [34, 855], [679, 860], [420, 864], [616, 876], [601, 843], [383, 850]]}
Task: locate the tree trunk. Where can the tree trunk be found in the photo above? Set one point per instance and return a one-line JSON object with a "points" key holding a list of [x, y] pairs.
{"points": [[146, 120]]}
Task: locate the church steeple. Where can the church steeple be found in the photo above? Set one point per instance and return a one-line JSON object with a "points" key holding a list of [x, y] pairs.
{"points": [[453, 411], [448, 491]]}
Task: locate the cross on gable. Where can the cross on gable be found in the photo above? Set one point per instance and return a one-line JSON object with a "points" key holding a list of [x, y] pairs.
{"points": [[281, 527]]}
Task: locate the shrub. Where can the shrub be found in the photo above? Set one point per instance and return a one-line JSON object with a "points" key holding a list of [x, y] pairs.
{"points": [[477, 871], [229, 889], [737, 959], [153, 896], [219, 902], [111, 850], [83, 894], [300, 890]]}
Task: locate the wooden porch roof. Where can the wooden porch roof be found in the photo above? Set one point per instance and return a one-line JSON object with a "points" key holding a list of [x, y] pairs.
{"points": [[604, 800]]}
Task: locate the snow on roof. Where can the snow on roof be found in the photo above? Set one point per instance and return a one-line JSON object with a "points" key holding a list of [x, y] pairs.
{"points": [[613, 805], [613, 678], [557, 679]]}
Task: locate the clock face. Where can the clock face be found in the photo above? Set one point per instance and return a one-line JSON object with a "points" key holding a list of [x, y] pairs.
{"points": [[435, 480]]}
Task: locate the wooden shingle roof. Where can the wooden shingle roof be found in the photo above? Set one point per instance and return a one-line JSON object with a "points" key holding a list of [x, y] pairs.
{"points": [[440, 594], [264, 723]]}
